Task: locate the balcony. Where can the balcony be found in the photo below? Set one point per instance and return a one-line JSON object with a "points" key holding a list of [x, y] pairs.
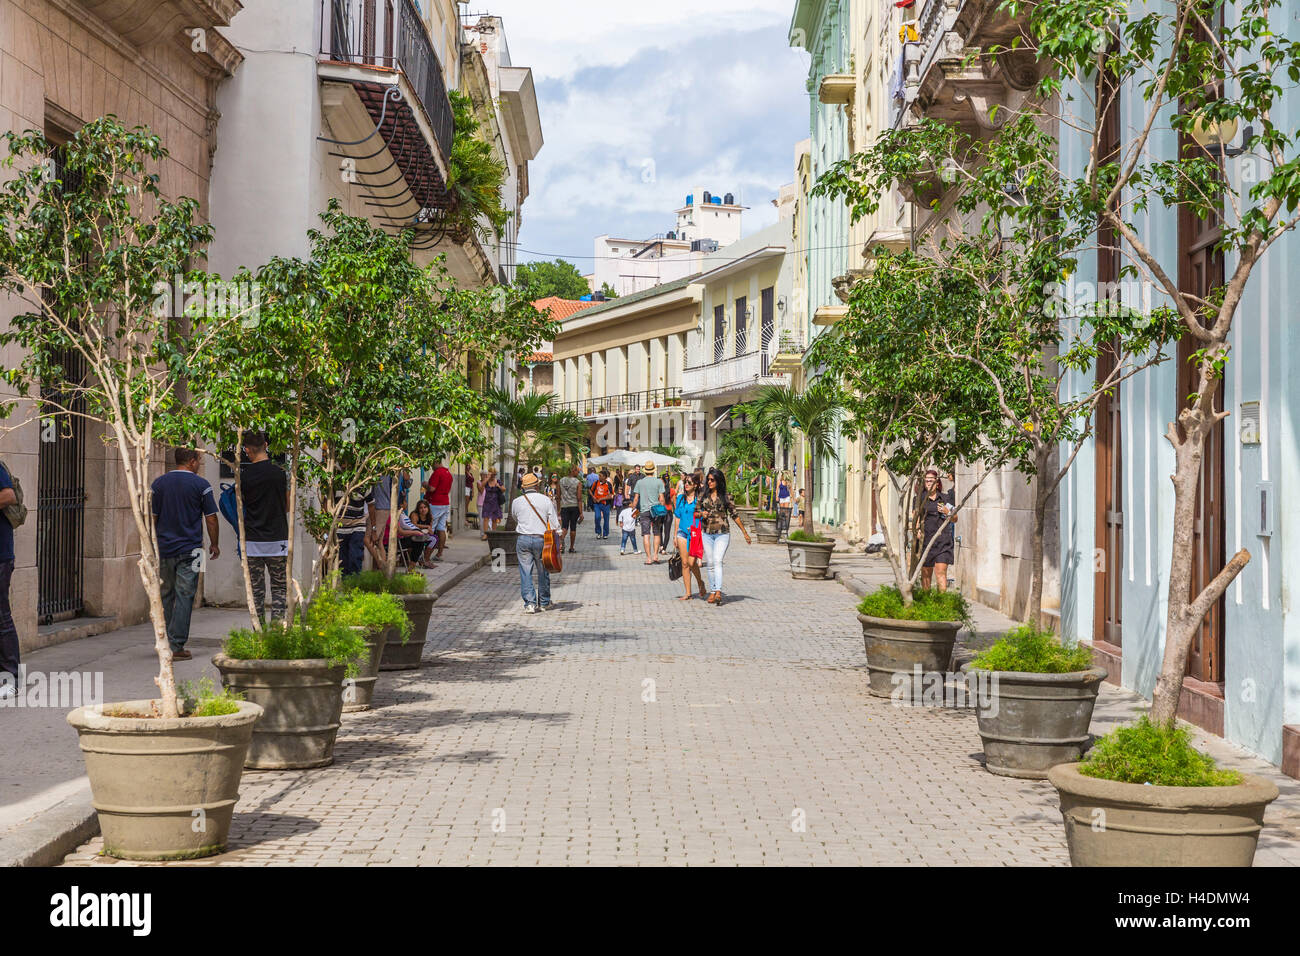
{"points": [[190, 22], [387, 106], [731, 375], [627, 403], [788, 354], [962, 68]]}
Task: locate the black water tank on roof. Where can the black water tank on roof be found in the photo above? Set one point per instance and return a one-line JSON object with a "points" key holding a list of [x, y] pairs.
{"points": [[729, 199]]}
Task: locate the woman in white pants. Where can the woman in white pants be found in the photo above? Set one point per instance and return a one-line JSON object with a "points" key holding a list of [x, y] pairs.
{"points": [[715, 511]]}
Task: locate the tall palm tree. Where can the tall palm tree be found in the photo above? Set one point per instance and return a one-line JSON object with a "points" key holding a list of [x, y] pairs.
{"points": [[533, 424], [744, 449], [813, 413]]}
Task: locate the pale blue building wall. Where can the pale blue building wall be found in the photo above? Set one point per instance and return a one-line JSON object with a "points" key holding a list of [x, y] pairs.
{"points": [[1262, 634], [822, 27]]}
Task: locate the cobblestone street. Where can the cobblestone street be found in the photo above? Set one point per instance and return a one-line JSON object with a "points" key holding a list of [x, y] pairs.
{"points": [[526, 739]]}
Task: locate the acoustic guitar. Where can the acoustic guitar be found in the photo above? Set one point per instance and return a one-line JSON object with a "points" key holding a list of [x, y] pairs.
{"points": [[551, 549]]}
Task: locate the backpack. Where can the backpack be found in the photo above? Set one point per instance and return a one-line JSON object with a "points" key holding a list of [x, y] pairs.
{"points": [[15, 513], [228, 505]]}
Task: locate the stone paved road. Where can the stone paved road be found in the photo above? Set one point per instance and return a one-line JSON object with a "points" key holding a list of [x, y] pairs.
{"points": [[526, 740]]}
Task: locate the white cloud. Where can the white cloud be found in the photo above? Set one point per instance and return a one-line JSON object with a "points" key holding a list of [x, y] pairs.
{"points": [[692, 106], [557, 38]]}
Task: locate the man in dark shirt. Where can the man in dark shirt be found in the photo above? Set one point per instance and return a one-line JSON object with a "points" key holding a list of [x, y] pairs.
{"points": [[265, 489], [8, 633], [182, 503]]}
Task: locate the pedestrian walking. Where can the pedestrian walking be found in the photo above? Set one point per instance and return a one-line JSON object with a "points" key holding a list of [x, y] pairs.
{"points": [[494, 499], [939, 520], [182, 504], [532, 510], [439, 497], [649, 499], [715, 512], [480, 486], [9, 652], [602, 494], [265, 489], [628, 524], [784, 506], [683, 521], [590, 482], [569, 500]]}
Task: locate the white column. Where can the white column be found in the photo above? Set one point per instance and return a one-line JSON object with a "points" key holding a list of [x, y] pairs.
{"points": [[598, 384], [584, 376], [615, 380], [658, 358], [557, 380], [676, 358], [638, 366], [572, 385]]}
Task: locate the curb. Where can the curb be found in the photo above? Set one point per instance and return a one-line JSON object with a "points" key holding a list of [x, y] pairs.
{"points": [[442, 587], [47, 839]]}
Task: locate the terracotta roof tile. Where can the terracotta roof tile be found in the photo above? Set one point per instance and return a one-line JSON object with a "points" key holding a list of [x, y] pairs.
{"points": [[561, 309]]}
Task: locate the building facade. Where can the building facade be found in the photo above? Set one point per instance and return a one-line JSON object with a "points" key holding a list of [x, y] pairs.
{"points": [[620, 365], [62, 64], [745, 317]]}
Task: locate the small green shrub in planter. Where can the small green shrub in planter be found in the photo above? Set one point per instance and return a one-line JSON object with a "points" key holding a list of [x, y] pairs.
{"points": [[765, 515], [1161, 756], [371, 610], [202, 699], [1031, 650], [810, 537], [927, 605], [376, 582], [336, 643]]}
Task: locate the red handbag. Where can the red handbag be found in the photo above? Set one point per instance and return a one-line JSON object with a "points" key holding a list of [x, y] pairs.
{"points": [[696, 548]]}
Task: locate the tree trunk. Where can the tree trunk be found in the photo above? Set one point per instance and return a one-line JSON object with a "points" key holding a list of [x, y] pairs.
{"points": [[290, 585], [390, 558], [808, 466], [1034, 610], [1186, 613]]}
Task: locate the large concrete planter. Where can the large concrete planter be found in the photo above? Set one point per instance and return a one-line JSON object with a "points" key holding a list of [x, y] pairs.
{"points": [[810, 560], [765, 531], [1031, 722], [359, 691], [899, 647], [303, 701], [504, 541], [149, 776], [406, 657], [1130, 824], [746, 515]]}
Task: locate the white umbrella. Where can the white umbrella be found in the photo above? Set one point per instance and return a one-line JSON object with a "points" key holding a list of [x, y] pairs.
{"points": [[624, 457]]}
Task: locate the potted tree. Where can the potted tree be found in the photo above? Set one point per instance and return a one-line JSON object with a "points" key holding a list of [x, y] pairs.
{"points": [[912, 404], [400, 653], [380, 618], [90, 293], [813, 414], [1039, 706], [743, 451], [295, 674]]}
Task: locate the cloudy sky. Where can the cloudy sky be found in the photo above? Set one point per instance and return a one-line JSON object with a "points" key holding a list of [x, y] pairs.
{"points": [[642, 103]]}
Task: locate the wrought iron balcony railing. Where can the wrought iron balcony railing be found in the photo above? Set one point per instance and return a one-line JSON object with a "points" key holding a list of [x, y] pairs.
{"points": [[391, 34], [625, 403]]}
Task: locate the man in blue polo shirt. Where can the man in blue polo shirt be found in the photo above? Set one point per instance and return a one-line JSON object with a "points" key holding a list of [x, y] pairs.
{"points": [[182, 504], [8, 633]]}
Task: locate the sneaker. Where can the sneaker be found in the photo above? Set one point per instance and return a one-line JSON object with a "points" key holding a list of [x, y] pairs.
{"points": [[621, 551], [546, 607], [182, 655], [530, 608]]}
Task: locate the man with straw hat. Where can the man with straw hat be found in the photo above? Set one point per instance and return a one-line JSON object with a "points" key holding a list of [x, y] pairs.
{"points": [[649, 502], [532, 510]]}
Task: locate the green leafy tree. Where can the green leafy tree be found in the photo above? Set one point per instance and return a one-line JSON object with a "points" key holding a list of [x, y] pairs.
{"points": [[744, 453], [607, 291], [1019, 247], [475, 178], [540, 280], [535, 429], [86, 236]]}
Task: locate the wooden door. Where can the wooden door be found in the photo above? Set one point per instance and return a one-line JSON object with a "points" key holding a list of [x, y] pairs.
{"points": [[1108, 561]]}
